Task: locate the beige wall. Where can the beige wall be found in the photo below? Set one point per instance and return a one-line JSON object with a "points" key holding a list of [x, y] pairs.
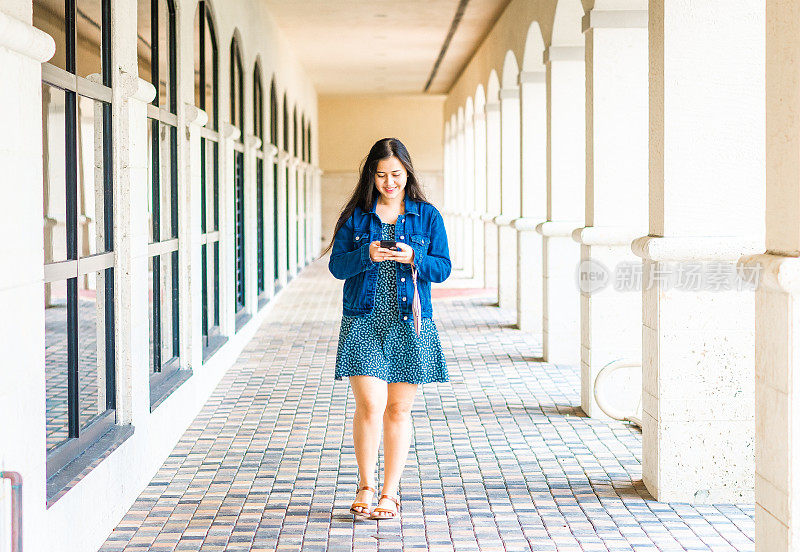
{"points": [[350, 125]]}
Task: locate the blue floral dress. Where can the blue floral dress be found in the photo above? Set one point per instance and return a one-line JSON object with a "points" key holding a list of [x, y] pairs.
{"points": [[380, 344]]}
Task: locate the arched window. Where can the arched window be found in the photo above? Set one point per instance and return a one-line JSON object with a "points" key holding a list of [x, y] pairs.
{"points": [[286, 176], [258, 132], [237, 120], [206, 70], [80, 388], [158, 63], [273, 138]]}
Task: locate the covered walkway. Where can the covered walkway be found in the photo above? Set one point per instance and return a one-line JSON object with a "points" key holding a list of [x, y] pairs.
{"points": [[502, 459]]}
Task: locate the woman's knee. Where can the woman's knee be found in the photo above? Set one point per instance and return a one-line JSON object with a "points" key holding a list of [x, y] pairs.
{"points": [[369, 409], [397, 411]]}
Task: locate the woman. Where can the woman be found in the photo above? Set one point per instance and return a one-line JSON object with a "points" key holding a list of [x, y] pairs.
{"points": [[379, 349]]}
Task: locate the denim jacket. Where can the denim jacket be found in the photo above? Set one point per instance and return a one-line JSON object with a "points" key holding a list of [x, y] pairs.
{"points": [[421, 227]]}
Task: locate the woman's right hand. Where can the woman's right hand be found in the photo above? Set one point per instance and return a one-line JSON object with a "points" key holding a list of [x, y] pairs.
{"points": [[378, 253]]}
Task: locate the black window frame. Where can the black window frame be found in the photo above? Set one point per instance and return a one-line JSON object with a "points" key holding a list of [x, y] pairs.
{"points": [[212, 338], [273, 138], [63, 457], [237, 114], [165, 375], [258, 132], [287, 260]]}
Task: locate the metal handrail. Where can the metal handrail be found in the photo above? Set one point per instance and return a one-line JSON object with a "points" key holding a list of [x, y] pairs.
{"points": [[634, 417], [16, 508]]}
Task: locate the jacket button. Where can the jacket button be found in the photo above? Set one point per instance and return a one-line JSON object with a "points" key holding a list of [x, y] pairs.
{"points": [[358, 238], [402, 279], [404, 298], [405, 318], [402, 237]]}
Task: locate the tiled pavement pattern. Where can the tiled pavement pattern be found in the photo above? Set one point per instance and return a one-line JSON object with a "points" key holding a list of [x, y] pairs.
{"points": [[502, 458]]}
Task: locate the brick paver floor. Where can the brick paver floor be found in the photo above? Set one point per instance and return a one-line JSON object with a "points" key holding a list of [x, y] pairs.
{"points": [[502, 459]]}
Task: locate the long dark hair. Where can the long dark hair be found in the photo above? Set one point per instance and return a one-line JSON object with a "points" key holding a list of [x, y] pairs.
{"points": [[364, 193]]}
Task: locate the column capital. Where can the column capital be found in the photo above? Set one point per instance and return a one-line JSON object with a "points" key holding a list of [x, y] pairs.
{"points": [[230, 132], [493, 107], [695, 248], [283, 156], [271, 150], [564, 53], [25, 39], [509, 94], [195, 115], [252, 142], [525, 224], [614, 19], [557, 228], [133, 87], [503, 220], [529, 77], [777, 272], [605, 235]]}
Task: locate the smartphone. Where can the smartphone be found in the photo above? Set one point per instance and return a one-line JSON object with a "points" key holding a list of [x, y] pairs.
{"points": [[390, 244]]}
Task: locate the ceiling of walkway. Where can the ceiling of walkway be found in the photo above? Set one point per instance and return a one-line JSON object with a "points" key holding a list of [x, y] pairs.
{"points": [[384, 46]]}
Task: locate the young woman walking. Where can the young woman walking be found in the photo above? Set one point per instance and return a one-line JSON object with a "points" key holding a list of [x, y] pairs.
{"points": [[379, 348]]}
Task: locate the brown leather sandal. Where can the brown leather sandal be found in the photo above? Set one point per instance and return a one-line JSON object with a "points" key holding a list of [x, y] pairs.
{"points": [[362, 504], [395, 512]]}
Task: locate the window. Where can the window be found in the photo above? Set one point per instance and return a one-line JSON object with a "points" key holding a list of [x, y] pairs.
{"points": [[206, 70], [237, 120], [298, 195], [78, 215], [258, 131], [158, 64], [273, 138], [286, 176]]}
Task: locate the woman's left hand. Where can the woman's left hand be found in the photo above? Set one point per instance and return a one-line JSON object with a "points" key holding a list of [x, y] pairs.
{"points": [[405, 255]]}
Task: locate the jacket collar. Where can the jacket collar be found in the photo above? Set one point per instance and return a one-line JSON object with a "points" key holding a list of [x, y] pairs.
{"points": [[411, 206]]}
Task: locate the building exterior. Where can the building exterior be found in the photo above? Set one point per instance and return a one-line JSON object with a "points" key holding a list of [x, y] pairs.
{"points": [[163, 182]]}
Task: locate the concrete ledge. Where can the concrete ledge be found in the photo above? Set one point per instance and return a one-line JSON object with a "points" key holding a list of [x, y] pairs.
{"points": [[486, 217], [564, 53], [605, 235], [524, 224], [502, 220], [25, 39], [777, 272], [553, 228], [614, 19], [694, 248]]}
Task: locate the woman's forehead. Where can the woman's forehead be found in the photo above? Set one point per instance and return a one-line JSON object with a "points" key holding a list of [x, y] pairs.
{"points": [[389, 164]]}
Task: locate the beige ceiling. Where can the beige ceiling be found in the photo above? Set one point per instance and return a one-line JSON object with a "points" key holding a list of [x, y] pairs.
{"points": [[382, 46]]}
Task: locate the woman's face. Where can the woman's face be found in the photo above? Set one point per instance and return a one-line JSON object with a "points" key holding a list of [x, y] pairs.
{"points": [[390, 178]]}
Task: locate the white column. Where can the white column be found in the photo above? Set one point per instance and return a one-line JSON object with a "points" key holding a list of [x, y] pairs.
{"points": [[22, 407], [292, 218], [533, 208], [616, 190], [566, 107], [270, 154], [189, 243], [509, 198], [301, 215], [283, 273], [227, 230], [492, 193], [251, 144], [706, 204], [777, 299], [469, 197], [317, 210], [458, 196], [479, 197]]}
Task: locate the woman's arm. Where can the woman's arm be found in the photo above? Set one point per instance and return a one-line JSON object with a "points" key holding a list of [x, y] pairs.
{"points": [[433, 265], [345, 263]]}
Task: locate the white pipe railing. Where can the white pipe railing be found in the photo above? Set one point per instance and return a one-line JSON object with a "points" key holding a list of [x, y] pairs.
{"points": [[603, 388]]}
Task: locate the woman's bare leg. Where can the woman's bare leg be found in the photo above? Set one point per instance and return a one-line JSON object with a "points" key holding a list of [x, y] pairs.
{"points": [[370, 394], [396, 437]]}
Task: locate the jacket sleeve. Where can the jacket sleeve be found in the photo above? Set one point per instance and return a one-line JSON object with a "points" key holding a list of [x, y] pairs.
{"points": [[433, 265], [345, 263]]}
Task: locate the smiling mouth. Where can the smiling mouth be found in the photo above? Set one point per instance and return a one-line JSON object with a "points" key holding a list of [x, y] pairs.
{"points": [[389, 190]]}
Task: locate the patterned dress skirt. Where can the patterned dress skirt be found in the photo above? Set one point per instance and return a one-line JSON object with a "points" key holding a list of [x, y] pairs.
{"points": [[381, 344]]}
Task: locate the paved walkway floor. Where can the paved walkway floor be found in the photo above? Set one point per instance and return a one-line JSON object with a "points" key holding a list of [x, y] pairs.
{"points": [[502, 459]]}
